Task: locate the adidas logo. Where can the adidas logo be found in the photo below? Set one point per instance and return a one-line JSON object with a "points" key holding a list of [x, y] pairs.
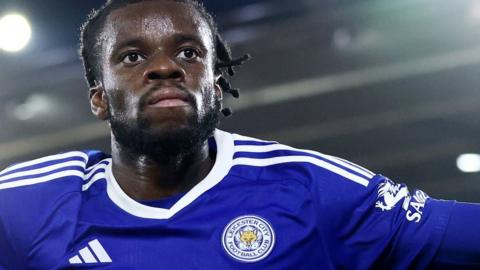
{"points": [[86, 254]]}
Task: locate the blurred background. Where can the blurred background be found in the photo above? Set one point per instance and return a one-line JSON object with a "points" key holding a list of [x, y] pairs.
{"points": [[391, 85]]}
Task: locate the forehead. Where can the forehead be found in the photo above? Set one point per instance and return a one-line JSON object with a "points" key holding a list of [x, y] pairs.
{"points": [[156, 20]]}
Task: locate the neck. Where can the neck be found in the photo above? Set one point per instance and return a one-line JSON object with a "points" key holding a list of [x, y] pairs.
{"points": [[145, 178]]}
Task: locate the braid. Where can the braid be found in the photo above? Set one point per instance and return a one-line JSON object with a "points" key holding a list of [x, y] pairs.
{"points": [[90, 46], [225, 66]]}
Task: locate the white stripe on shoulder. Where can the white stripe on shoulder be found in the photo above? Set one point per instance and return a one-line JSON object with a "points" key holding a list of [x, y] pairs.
{"points": [[289, 159], [97, 167], [237, 137], [45, 159], [97, 176], [273, 147], [43, 170], [93, 180], [43, 179]]}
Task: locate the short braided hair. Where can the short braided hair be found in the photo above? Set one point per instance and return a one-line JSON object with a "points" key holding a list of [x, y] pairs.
{"points": [[90, 45]]}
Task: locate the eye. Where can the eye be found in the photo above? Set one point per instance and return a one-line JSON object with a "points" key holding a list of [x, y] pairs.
{"points": [[188, 54], [132, 58]]}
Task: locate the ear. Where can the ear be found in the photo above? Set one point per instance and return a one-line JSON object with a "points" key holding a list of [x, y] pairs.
{"points": [[218, 88], [98, 101]]}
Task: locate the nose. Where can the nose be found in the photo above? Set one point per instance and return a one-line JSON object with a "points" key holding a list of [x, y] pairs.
{"points": [[162, 67]]}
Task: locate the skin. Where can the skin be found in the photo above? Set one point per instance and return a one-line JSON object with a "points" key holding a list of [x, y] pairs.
{"points": [[147, 47]]}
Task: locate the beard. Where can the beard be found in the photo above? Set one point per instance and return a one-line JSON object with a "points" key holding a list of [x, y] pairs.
{"points": [[172, 145]]}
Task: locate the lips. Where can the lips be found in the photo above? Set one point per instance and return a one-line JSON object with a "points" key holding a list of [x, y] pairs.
{"points": [[168, 97]]}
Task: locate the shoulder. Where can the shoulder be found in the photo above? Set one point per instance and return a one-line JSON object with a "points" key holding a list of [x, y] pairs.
{"points": [[41, 172], [336, 187], [313, 168], [43, 191], [42, 182]]}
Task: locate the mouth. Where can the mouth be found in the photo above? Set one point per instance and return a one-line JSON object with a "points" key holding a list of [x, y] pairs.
{"points": [[168, 97]]}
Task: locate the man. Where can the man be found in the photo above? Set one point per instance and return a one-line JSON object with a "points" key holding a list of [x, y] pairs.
{"points": [[176, 193]]}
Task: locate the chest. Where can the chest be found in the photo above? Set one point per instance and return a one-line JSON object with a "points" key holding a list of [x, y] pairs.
{"points": [[241, 230]]}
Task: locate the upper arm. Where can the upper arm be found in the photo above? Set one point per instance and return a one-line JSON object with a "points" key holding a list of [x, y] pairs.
{"points": [[7, 254], [460, 247], [382, 225], [12, 232]]}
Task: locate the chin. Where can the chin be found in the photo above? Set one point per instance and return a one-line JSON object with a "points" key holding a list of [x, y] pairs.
{"points": [[170, 129], [178, 122], [164, 134]]}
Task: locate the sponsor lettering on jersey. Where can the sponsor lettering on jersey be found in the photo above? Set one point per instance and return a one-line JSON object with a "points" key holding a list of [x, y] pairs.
{"points": [[390, 194], [416, 205]]}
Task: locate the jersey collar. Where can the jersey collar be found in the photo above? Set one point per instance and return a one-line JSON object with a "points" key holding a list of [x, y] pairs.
{"points": [[223, 163]]}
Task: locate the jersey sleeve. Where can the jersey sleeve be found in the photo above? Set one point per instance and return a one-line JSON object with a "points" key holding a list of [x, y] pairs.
{"points": [[460, 248], [7, 254], [379, 225]]}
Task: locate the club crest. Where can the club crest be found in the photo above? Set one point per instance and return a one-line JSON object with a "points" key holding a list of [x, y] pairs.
{"points": [[248, 238]]}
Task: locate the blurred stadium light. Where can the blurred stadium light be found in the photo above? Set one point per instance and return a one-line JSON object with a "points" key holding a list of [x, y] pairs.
{"points": [[469, 163], [15, 32]]}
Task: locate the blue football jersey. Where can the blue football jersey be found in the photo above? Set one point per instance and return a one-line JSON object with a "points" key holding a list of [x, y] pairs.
{"points": [[263, 205]]}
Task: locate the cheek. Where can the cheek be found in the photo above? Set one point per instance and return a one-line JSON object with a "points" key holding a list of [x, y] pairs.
{"points": [[122, 104], [208, 81], [206, 96], [113, 78]]}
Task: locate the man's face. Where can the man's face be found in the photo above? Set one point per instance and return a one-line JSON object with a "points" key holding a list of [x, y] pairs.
{"points": [[157, 71]]}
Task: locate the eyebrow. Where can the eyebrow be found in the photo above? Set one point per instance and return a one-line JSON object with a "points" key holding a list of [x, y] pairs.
{"points": [[127, 43], [182, 38]]}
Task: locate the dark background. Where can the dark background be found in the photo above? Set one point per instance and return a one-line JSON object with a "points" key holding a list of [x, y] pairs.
{"points": [[391, 85]]}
